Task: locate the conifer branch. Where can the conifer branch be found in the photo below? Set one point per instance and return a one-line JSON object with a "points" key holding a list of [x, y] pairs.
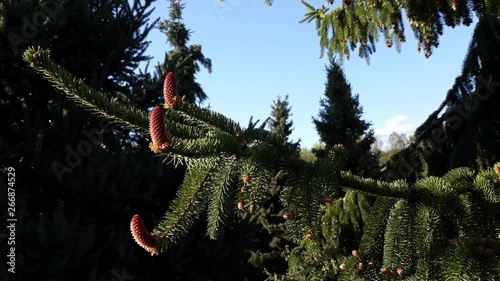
{"points": [[373, 234], [182, 160], [398, 245], [259, 177], [221, 197], [76, 90], [180, 117], [429, 237], [186, 208], [205, 146], [397, 189], [181, 130], [216, 120], [305, 200]]}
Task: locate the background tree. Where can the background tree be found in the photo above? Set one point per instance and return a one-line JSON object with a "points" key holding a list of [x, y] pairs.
{"points": [[378, 145], [268, 258], [471, 136], [280, 123], [184, 60], [395, 143], [463, 130], [340, 122]]}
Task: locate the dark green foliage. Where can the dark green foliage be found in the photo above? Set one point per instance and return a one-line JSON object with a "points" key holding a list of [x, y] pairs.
{"points": [[340, 117], [360, 24], [340, 122], [74, 201], [280, 123], [435, 228], [184, 60], [392, 236], [463, 131]]}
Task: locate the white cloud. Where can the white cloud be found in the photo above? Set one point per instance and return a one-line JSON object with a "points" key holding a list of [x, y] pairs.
{"points": [[399, 124]]}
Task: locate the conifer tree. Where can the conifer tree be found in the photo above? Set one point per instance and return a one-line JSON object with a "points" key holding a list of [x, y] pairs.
{"points": [[269, 256], [280, 123], [344, 26], [429, 230], [184, 60], [340, 122]]}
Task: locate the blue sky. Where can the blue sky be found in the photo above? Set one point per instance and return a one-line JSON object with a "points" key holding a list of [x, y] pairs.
{"points": [[260, 52]]}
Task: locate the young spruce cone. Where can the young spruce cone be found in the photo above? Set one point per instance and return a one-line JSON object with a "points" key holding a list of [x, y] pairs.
{"points": [[142, 236], [162, 139], [170, 91]]}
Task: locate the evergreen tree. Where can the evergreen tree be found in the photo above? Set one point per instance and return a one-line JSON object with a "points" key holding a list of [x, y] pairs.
{"points": [[280, 123], [269, 258], [340, 122], [424, 231], [68, 215], [184, 60]]}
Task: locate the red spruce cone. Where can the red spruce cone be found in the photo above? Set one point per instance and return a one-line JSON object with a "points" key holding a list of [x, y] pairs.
{"points": [[142, 236], [170, 91], [161, 137]]}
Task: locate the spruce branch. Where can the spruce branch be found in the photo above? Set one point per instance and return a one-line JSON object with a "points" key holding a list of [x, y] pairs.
{"points": [[186, 208], [257, 179], [484, 183], [304, 199], [217, 144], [399, 248], [83, 95], [221, 197], [462, 179], [188, 162], [183, 119], [215, 120], [397, 189], [429, 237], [373, 234], [183, 131]]}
